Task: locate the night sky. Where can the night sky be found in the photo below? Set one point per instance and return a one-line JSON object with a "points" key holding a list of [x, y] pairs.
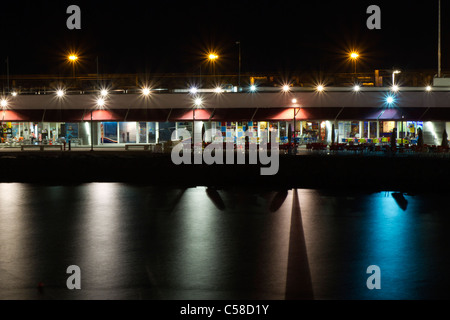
{"points": [[173, 36]]}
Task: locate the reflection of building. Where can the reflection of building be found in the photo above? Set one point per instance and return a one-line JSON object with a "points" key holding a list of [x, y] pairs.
{"points": [[128, 118]]}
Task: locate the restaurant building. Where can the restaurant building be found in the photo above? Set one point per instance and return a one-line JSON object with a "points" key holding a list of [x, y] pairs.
{"points": [[368, 115]]}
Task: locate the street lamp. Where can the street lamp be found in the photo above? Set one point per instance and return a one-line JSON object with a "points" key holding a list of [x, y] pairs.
{"points": [[286, 88], [100, 103], [197, 103], [402, 134], [4, 103], [294, 103], [390, 100], [60, 93], [239, 71], [73, 59], [212, 57], [354, 56], [193, 90], [60, 96], [439, 38], [104, 92], [146, 91], [393, 76]]}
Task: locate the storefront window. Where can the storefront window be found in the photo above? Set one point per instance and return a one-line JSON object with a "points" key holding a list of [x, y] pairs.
{"points": [[165, 131], [402, 129], [373, 129], [283, 132], [151, 127], [344, 130], [109, 132], [142, 132], [311, 131], [323, 131], [228, 130], [127, 132], [365, 129], [355, 130], [71, 131], [386, 128]]}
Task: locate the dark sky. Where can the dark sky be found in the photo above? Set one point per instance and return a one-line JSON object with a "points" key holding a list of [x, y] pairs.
{"points": [[173, 36]]}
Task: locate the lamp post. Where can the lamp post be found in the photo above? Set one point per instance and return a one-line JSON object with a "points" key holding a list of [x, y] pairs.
{"points": [[146, 93], [3, 104], [239, 69], [98, 79], [197, 103], [60, 95], [212, 58], [295, 127], [393, 76], [354, 56], [294, 102], [7, 74], [193, 126], [402, 133], [439, 40], [200, 81], [72, 59], [100, 104], [92, 134]]}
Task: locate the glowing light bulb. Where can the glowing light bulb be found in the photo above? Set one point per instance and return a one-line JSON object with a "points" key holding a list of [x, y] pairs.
{"points": [[100, 102], [198, 101]]}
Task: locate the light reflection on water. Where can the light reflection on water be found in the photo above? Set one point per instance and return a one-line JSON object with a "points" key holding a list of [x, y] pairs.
{"points": [[137, 242]]}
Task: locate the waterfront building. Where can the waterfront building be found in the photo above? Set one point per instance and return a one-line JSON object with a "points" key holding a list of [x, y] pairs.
{"points": [[363, 115]]}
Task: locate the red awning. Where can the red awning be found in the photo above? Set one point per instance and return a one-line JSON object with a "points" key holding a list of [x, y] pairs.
{"points": [[23, 115], [287, 114], [275, 114], [105, 115], [187, 114], [232, 114]]}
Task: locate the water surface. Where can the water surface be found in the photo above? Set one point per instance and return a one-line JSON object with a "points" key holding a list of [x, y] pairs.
{"points": [[139, 242]]}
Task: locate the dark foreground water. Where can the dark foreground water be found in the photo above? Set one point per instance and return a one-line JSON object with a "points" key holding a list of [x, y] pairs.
{"points": [[138, 242]]}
